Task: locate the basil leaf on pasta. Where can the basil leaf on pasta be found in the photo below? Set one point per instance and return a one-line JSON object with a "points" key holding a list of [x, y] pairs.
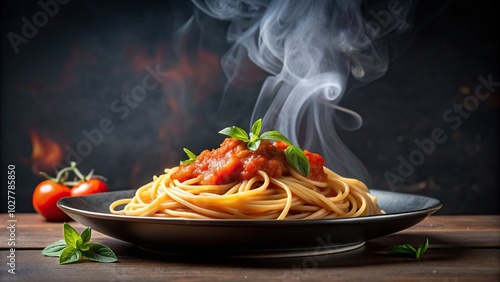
{"points": [[235, 132], [253, 145], [297, 159], [256, 127], [192, 157], [275, 135]]}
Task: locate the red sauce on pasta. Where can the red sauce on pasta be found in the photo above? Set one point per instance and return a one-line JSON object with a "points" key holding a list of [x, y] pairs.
{"points": [[233, 161]]}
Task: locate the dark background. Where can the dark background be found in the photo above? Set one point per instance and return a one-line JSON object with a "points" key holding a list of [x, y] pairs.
{"points": [[65, 80]]}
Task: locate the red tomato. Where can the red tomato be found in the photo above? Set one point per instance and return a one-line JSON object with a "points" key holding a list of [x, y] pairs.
{"points": [[88, 187], [45, 198]]}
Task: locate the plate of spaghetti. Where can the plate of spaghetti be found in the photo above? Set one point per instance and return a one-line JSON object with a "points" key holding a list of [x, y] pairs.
{"points": [[257, 195]]}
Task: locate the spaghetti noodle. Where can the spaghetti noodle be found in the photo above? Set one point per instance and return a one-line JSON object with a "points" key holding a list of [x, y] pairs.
{"points": [[233, 182]]}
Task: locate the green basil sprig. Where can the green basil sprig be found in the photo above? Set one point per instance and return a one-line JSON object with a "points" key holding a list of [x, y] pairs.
{"points": [[76, 246], [294, 155], [409, 250], [191, 156]]}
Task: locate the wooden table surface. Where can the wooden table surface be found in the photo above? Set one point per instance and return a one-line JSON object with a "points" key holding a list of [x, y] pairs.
{"points": [[461, 248]]}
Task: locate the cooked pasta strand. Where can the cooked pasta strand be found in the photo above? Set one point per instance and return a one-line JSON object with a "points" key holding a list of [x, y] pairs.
{"points": [[261, 197]]}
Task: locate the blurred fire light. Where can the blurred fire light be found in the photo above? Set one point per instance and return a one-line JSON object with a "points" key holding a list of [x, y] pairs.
{"points": [[46, 153], [192, 78], [190, 82]]}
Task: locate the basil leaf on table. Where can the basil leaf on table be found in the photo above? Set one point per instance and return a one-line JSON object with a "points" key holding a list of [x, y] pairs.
{"points": [[55, 249], [76, 246], [99, 253], [409, 250]]}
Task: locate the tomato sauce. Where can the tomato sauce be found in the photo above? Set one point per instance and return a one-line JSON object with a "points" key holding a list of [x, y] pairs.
{"points": [[233, 161]]}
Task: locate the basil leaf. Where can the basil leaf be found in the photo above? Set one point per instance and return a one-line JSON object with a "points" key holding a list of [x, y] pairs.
{"points": [[55, 249], [71, 237], [86, 235], [254, 138], [297, 159], [253, 145], [294, 155], [76, 246], [69, 255], [256, 127], [422, 248], [85, 247], [190, 154], [192, 157], [405, 249], [235, 132], [100, 253], [275, 135]]}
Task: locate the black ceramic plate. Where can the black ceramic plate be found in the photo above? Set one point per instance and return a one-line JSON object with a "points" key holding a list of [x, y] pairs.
{"points": [[249, 238]]}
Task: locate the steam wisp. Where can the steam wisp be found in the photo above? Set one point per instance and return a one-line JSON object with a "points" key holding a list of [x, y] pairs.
{"points": [[310, 50]]}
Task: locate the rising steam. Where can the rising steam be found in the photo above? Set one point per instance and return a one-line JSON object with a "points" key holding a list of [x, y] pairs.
{"points": [[310, 50]]}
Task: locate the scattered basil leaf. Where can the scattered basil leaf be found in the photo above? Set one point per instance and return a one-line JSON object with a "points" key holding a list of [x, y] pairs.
{"points": [[85, 247], [402, 250], [192, 157], [70, 235], [407, 249], [100, 253], [55, 249], [70, 254], [86, 235], [422, 248], [297, 159], [76, 246]]}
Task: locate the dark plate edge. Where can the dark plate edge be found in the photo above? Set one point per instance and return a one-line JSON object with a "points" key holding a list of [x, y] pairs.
{"points": [[215, 222]]}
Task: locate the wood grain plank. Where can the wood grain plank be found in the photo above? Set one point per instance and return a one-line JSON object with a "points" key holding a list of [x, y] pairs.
{"points": [[462, 248], [33, 232], [370, 263]]}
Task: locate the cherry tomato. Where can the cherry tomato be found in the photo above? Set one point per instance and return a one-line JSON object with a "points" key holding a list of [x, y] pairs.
{"points": [[88, 187], [45, 198]]}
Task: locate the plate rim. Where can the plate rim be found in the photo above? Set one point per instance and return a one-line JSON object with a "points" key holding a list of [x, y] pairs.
{"points": [[63, 205]]}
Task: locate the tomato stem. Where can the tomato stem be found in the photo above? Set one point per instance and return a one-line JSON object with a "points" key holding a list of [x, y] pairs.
{"points": [[63, 174], [47, 176], [77, 171]]}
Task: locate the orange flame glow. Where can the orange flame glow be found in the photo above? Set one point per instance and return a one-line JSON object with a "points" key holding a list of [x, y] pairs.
{"points": [[46, 153], [191, 78]]}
